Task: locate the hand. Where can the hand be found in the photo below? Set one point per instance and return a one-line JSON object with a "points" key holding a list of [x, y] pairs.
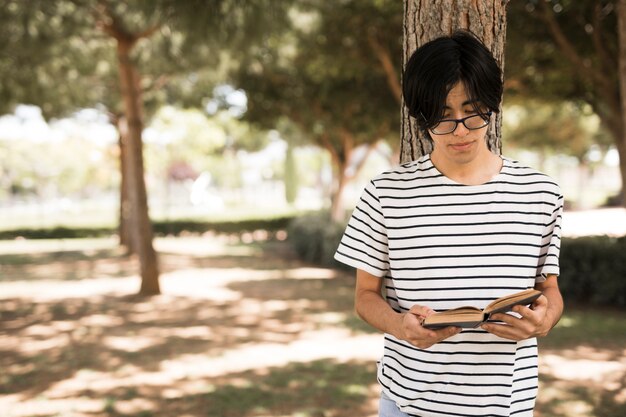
{"points": [[413, 332], [533, 322]]}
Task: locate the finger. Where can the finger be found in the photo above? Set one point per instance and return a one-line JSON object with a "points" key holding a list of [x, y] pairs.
{"points": [[522, 327], [503, 330], [505, 318], [528, 314], [422, 311], [414, 324], [447, 332]]}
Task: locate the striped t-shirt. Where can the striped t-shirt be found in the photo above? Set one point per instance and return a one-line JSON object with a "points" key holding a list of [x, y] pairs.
{"points": [[442, 244]]}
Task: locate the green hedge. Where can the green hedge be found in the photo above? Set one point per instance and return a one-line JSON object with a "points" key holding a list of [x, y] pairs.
{"points": [[176, 227], [57, 233], [315, 237], [593, 269], [161, 228]]}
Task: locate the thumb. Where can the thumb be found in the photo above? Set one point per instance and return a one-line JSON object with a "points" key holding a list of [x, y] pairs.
{"points": [[542, 301]]}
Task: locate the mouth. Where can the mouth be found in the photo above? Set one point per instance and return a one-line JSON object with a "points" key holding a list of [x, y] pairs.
{"points": [[462, 146]]}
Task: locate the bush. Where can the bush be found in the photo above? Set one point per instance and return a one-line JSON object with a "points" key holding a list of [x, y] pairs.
{"points": [[593, 270], [176, 227], [57, 233], [315, 238], [161, 228]]}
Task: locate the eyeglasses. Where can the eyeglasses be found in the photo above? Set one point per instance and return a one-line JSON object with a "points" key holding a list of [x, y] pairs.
{"points": [[477, 121]]}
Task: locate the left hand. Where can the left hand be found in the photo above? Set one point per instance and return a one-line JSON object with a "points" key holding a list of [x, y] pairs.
{"points": [[533, 322]]}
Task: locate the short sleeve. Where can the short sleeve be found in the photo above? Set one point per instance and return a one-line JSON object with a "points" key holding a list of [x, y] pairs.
{"points": [[551, 240], [364, 244]]}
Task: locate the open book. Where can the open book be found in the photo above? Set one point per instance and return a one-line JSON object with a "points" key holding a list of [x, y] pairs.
{"points": [[473, 317]]}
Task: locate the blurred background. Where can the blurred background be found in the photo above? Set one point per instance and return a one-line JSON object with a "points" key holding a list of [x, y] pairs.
{"points": [[246, 131]]}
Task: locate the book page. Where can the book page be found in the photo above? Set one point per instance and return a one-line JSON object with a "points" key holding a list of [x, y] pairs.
{"points": [[507, 302]]}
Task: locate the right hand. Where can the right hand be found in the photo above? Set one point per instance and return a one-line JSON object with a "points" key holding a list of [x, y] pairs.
{"points": [[418, 336]]}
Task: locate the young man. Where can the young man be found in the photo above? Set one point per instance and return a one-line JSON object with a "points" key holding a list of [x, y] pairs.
{"points": [[461, 226]]}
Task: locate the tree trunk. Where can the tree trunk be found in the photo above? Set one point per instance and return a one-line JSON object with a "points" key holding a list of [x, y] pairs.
{"points": [[337, 210], [125, 221], [291, 174], [621, 138], [340, 157], [425, 20], [142, 228]]}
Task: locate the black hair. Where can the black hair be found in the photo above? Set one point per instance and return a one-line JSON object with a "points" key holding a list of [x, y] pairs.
{"points": [[437, 66]]}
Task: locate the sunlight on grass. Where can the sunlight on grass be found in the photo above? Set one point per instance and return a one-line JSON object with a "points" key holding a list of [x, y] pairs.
{"points": [[567, 321], [588, 326]]}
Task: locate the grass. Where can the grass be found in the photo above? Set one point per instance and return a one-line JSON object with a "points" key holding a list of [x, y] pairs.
{"points": [[241, 330], [590, 326]]}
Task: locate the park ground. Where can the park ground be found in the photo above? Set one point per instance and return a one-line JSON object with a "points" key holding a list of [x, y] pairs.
{"points": [[240, 330]]}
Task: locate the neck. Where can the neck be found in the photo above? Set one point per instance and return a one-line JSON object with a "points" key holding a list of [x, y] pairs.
{"points": [[475, 172]]}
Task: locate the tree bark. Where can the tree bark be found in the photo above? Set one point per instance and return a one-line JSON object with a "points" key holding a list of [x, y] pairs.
{"points": [[425, 20], [340, 159], [125, 221], [621, 135], [131, 135], [142, 228]]}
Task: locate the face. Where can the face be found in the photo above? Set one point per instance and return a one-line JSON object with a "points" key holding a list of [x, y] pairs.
{"points": [[462, 146]]}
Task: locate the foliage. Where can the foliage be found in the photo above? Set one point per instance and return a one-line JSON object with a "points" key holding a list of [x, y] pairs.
{"points": [[323, 74], [564, 50], [315, 238], [57, 233], [537, 66], [549, 128], [161, 228], [178, 227], [593, 270], [54, 54], [43, 168], [190, 138]]}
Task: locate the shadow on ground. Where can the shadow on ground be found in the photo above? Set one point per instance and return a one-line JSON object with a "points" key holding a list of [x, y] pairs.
{"points": [[241, 330]]}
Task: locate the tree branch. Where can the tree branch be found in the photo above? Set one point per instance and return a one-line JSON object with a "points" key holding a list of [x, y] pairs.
{"points": [[384, 57], [567, 48], [158, 83], [608, 64], [110, 23], [148, 32]]}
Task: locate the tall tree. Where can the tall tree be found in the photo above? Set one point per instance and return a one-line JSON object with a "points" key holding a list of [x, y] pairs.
{"points": [[425, 20], [131, 128], [44, 42], [335, 74], [572, 50]]}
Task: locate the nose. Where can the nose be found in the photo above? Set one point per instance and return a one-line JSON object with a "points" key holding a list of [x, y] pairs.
{"points": [[460, 130]]}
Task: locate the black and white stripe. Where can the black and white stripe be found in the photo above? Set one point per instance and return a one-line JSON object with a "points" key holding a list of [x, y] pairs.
{"points": [[443, 244]]}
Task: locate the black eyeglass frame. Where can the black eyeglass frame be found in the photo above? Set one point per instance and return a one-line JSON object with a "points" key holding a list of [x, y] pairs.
{"points": [[485, 116]]}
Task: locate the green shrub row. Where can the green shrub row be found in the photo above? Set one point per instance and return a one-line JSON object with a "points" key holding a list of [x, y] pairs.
{"points": [[176, 227], [57, 233], [593, 269], [315, 237], [161, 228]]}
